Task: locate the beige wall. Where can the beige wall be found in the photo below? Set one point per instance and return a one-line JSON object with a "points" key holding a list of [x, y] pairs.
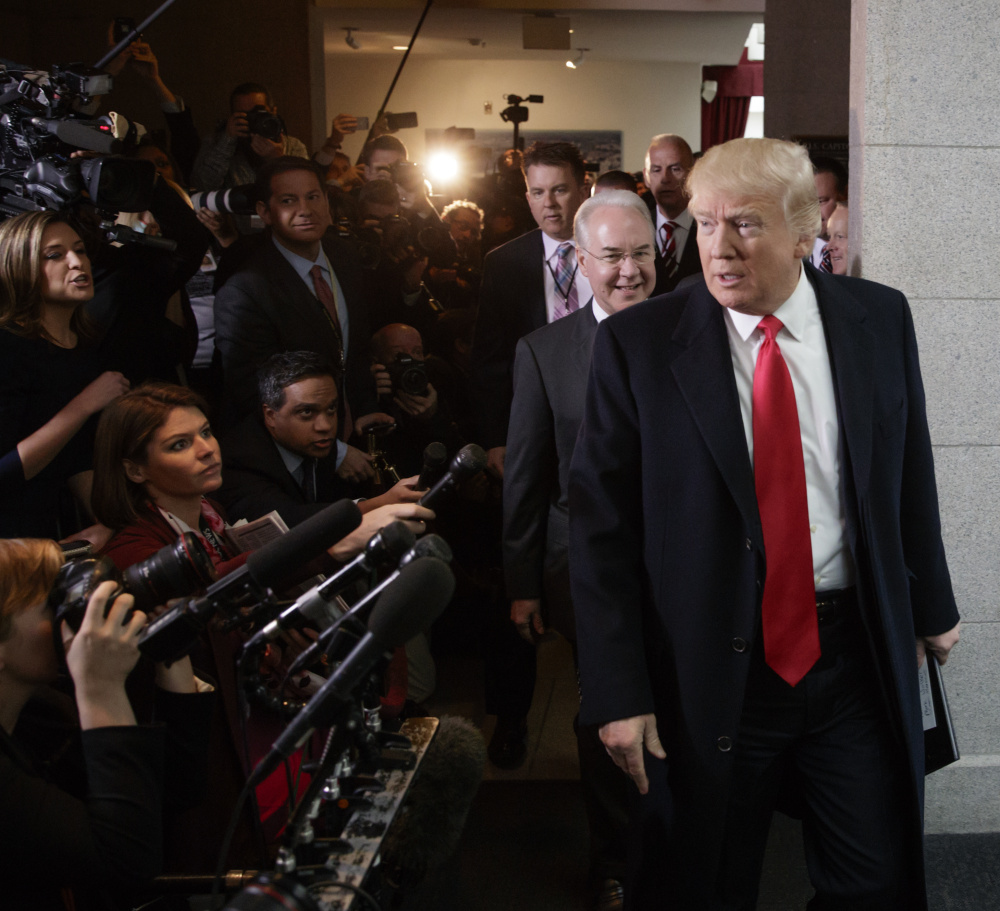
{"points": [[640, 99]]}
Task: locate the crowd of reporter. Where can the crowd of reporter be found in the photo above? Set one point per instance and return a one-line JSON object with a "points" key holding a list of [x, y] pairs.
{"points": [[112, 385]]}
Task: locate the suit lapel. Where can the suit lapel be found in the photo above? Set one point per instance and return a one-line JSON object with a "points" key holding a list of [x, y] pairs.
{"points": [[703, 370], [584, 329], [535, 279], [852, 356]]}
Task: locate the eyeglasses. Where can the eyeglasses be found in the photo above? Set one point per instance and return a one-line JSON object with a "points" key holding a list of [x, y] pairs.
{"points": [[639, 257]]}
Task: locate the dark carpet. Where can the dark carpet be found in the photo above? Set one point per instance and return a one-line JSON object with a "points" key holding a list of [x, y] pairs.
{"points": [[525, 849]]}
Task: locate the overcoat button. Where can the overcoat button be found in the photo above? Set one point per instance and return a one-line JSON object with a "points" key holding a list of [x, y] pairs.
{"points": [[739, 645], [725, 744], [749, 544]]}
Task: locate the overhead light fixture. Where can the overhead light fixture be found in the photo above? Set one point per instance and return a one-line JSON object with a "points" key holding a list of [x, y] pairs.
{"points": [[400, 47], [577, 61], [350, 40]]}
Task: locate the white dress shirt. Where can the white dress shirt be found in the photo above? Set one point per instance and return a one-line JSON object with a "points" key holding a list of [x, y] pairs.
{"points": [[550, 268], [803, 346]]}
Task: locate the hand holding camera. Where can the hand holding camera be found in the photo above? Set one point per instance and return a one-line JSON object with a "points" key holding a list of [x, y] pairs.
{"points": [[101, 655]]}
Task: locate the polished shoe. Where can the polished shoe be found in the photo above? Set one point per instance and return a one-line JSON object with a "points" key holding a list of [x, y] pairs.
{"points": [[610, 896], [508, 745]]}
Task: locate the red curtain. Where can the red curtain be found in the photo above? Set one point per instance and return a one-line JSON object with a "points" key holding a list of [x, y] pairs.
{"points": [[726, 117]]}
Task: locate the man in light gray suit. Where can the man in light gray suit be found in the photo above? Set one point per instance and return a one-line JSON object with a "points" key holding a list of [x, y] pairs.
{"points": [[616, 252]]}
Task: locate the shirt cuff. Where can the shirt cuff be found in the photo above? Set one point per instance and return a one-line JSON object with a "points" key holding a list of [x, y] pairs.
{"points": [[175, 108], [341, 452]]}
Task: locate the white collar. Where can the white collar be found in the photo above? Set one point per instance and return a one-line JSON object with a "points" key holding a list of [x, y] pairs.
{"points": [[793, 313]]}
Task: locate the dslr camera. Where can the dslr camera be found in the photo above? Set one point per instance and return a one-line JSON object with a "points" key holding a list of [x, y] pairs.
{"points": [[262, 122], [408, 375], [173, 571]]}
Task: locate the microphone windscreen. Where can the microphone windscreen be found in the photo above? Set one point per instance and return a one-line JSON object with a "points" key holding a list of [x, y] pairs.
{"points": [[413, 601], [395, 539], [427, 830], [470, 459], [279, 558], [433, 546]]}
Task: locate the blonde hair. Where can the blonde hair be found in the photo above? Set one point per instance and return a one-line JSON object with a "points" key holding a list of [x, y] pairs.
{"points": [[21, 275], [28, 567], [762, 168]]}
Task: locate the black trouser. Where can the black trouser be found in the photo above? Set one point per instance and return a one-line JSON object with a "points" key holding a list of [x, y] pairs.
{"points": [[832, 731]]}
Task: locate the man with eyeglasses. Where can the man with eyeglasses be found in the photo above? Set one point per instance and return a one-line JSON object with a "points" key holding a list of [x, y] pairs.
{"points": [[668, 161], [616, 252]]}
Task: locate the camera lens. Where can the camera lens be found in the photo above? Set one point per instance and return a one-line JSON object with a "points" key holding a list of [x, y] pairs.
{"points": [[175, 570]]}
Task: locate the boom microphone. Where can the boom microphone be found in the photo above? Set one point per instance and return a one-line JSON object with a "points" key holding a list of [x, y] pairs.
{"points": [[410, 605], [435, 455], [172, 635], [427, 830], [468, 461], [385, 546]]}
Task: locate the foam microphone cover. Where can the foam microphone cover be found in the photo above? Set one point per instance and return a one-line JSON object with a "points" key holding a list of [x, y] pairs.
{"points": [[430, 823], [276, 560]]}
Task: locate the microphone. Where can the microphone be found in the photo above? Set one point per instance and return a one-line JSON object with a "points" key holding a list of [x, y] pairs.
{"points": [[419, 594], [428, 546], [468, 461], [427, 830], [385, 546], [435, 455], [172, 635]]}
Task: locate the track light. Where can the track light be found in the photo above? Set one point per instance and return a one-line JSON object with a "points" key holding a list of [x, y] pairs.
{"points": [[350, 40], [578, 60]]}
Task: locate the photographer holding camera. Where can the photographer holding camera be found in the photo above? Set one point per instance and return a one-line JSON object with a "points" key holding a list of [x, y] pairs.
{"points": [[84, 823], [402, 380], [253, 134]]}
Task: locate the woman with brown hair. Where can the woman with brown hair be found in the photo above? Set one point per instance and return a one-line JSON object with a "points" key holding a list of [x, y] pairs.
{"points": [[80, 820], [51, 381], [156, 460]]}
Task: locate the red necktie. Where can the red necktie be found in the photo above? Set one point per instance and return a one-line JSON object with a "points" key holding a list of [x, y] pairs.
{"points": [[791, 634], [668, 248], [825, 262], [324, 294]]}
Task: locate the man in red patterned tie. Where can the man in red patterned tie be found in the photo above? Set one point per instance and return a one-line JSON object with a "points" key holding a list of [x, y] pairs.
{"points": [[756, 557], [299, 289], [668, 162]]}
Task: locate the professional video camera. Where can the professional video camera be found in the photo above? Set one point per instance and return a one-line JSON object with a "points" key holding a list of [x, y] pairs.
{"points": [[41, 126]]}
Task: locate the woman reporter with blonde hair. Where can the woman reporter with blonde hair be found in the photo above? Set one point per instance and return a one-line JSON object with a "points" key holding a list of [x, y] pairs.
{"points": [[51, 382]]}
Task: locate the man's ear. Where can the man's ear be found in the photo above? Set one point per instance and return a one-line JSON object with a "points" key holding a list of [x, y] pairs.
{"points": [[268, 414], [264, 212], [134, 471]]}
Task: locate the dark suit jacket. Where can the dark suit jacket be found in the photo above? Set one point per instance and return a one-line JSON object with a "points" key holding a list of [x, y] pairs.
{"points": [[265, 308], [255, 479], [690, 262], [667, 553], [511, 304], [550, 385]]}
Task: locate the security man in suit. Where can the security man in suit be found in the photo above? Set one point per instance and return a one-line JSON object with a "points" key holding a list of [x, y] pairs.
{"points": [[756, 557], [300, 290], [616, 251], [528, 282], [668, 162]]}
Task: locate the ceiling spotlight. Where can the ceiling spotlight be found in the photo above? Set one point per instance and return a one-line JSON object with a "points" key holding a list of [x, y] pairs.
{"points": [[578, 60], [350, 40]]}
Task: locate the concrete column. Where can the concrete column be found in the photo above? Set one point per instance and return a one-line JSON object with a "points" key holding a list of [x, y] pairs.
{"points": [[924, 197]]}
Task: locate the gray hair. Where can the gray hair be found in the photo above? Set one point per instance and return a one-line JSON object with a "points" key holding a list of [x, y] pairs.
{"points": [[609, 199], [283, 369]]}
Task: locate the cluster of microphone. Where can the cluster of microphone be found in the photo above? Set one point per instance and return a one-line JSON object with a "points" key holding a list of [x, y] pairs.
{"points": [[409, 583]]}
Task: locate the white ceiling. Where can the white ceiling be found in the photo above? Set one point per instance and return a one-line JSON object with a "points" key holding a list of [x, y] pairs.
{"points": [[709, 38]]}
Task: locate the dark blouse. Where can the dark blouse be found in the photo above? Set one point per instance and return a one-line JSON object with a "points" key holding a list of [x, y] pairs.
{"points": [[37, 379]]}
